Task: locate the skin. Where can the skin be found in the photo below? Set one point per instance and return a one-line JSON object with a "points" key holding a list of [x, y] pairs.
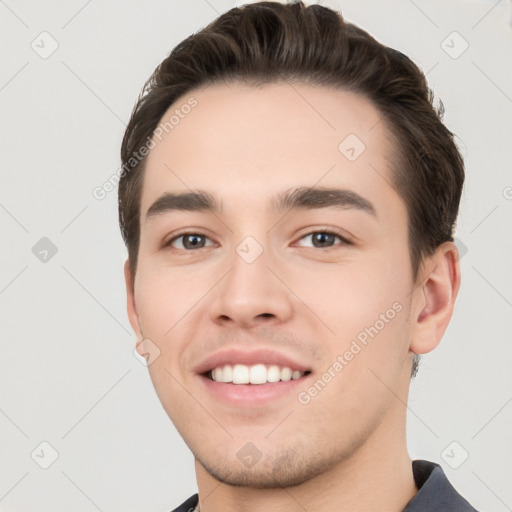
{"points": [[243, 144]]}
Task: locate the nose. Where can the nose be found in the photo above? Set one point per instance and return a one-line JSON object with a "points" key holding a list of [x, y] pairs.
{"points": [[251, 294]]}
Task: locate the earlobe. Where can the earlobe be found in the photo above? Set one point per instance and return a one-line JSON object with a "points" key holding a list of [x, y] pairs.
{"points": [[130, 301], [435, 298]]}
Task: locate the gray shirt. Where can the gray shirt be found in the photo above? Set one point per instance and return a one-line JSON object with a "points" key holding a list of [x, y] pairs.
{"points": [[435, 493]]}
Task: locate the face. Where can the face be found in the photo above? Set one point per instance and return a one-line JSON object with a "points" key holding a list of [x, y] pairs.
{"points": [[290, 276]]}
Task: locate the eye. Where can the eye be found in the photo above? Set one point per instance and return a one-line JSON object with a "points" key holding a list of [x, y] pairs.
{"points": [[325, 238], [187, 241]]}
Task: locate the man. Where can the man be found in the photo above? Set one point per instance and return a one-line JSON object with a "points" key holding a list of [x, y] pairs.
{"points": [[288, 202]]}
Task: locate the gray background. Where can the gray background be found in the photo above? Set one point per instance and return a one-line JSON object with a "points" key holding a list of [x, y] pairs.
{"points": [[68, 374]]}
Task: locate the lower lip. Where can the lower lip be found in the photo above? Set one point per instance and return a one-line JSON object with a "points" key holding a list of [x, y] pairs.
{"points": [[252, 394]]}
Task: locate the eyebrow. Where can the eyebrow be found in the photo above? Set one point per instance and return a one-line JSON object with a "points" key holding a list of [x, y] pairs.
{"points": [[303, 198]]}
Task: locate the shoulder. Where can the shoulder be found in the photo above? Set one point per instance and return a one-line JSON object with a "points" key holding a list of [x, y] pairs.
{"points": [[435, 493], [189, 505]]}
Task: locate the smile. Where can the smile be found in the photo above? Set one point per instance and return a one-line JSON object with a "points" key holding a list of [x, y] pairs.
{"points": [[254, 374]]}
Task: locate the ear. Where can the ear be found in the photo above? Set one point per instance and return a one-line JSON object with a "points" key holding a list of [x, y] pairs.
{"points": [[434, 298], [133, 316]]}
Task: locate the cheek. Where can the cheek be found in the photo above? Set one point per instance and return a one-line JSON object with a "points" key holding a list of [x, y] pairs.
{"points": [[354, 387], [352, 296], [165, 298], [366, 306], [168, 303]]}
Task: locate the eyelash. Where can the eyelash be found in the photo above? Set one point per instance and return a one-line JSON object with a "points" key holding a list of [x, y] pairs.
{"points": [[329, 231]]}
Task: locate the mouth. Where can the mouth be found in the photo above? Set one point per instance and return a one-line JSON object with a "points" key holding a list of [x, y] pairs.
{"points": [[252, 379], [257, 374]]}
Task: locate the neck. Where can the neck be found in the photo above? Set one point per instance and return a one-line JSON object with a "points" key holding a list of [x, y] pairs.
{"points": [[377, 477]]}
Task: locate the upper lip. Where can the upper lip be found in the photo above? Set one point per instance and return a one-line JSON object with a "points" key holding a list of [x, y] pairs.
{"points": [[259, 356]]}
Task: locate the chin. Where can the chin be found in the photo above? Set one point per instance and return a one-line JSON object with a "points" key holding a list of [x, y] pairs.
{"points": [[285, 469]]}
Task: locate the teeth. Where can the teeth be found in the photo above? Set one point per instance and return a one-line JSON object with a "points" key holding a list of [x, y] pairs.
{"points": [[286, 374], [273, 374], [240, 374], [217, 374], [256, 374], [227, 374]]}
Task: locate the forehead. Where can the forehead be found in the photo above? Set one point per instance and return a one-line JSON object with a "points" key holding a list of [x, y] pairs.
{"points": [[245, 141]]}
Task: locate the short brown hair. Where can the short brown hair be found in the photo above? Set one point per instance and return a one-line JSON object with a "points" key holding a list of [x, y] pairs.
{"points": [[267, 42]]}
